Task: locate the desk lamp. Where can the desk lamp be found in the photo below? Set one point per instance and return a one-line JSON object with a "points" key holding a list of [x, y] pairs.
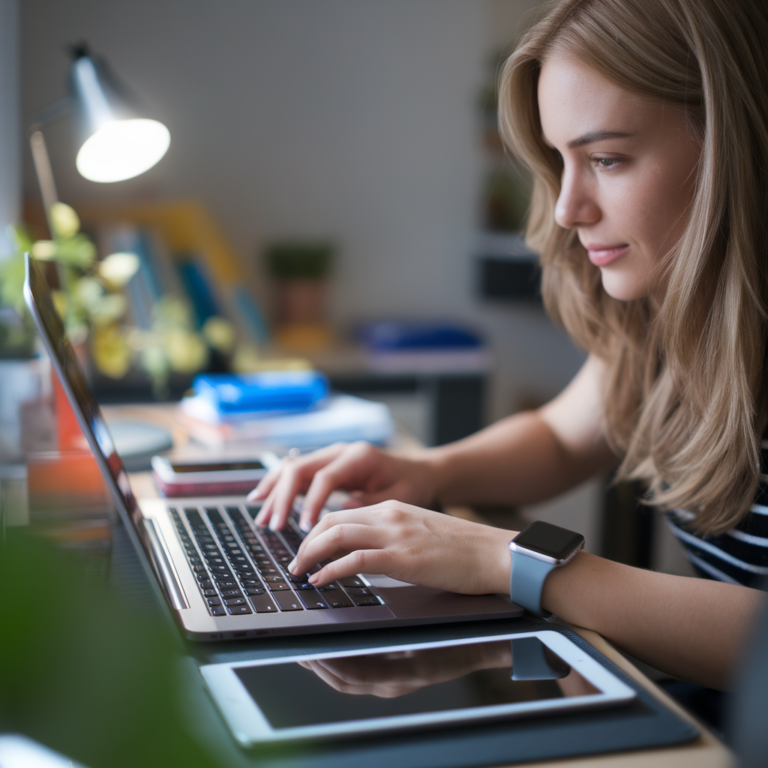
{"points": [[116, 143]]}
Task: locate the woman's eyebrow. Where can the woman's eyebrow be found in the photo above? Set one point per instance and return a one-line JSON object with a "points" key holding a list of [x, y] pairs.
{"points": [[588, 138]]}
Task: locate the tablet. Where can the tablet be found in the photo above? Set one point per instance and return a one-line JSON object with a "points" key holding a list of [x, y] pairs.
{"points": [[428, 685]]}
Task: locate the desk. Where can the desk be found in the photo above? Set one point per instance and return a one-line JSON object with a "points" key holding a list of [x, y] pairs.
{"points": [[705, 752]]}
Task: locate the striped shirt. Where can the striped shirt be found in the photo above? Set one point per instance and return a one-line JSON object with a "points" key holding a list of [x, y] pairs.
{"points": [[739, 556]]}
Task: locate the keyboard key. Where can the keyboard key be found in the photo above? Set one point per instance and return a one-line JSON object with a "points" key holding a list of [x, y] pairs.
{"points": [[231, 593], [206, 584], [312, 602], [340, 602], [250, 582], [264, 604], [234, 601], [328, 588], [214, 601], [239, 610], [288, 601], [352, 581], [210, 592], [251, 591], [217, 610], [280, 586], [359, 592], [361, 601]]}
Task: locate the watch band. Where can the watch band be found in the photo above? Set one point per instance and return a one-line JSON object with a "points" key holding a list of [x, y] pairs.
{"points": [[527, 582]]}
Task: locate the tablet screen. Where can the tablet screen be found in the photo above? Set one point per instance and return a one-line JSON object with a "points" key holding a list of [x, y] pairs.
{"points": [[408, 682]]}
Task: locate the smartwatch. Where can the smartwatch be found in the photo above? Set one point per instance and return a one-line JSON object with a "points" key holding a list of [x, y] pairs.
{"points": [[536, 551]]}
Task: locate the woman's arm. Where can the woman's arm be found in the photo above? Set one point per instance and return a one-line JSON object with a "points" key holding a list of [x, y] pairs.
{"points": [[532, 456], [691, 628], [525, 458]]}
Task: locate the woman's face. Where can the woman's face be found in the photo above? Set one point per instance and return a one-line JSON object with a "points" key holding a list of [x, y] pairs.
{"points": [[629, 172]]}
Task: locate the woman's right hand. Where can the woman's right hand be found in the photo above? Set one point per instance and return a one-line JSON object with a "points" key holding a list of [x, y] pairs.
{"points": [[369, 474]]}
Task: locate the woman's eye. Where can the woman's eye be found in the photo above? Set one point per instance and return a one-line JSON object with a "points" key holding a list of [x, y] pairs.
{"points": [[606, 162]]}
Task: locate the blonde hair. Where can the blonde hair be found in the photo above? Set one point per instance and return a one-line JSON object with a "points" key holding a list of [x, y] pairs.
{"points": [[686, 400]]}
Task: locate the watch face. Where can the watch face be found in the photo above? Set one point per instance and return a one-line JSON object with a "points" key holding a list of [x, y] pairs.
{"points": [[548, 539]]}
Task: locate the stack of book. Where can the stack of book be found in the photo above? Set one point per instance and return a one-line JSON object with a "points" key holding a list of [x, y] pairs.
{"points": [[423, 346], [279, 410]]}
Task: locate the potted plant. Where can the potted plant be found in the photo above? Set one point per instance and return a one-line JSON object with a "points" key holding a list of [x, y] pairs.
{"points": [[301, 271]]}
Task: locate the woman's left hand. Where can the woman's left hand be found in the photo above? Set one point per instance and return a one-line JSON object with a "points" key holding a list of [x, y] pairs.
{"points": [[409, 544]]}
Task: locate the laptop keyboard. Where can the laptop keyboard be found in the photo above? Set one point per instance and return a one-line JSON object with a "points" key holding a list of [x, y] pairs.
{"points": [[242, 568]]}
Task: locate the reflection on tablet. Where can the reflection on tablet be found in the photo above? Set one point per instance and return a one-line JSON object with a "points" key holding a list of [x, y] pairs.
{"points": [[408, 682]]}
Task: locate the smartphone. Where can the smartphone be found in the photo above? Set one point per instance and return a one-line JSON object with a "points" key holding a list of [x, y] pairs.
{"points": [[210, 478]]}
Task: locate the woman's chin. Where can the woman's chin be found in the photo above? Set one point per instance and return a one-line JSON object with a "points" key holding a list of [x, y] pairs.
{"points": [[624, 287]]}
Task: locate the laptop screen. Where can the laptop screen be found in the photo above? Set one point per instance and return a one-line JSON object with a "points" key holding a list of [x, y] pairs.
{"points": [[37, 295]]}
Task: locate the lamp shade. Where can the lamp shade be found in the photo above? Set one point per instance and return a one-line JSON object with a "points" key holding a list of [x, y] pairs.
{"points": [[117, 143]]}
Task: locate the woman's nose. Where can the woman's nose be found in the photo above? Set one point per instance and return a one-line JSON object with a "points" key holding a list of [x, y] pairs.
{"points": [[575, 205]]}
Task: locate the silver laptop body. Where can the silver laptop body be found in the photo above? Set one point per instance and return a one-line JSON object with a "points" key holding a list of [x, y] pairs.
{"points": [[223, 577]]}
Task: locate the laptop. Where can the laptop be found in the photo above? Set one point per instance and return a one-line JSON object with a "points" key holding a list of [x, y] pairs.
{"points": [[222, 576]]}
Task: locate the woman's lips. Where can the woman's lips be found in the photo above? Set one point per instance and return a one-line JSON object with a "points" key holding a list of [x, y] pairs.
{"points": [[603, 255]]}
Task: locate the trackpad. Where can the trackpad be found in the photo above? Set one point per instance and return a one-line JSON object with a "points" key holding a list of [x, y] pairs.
{"points": [[379, 580]]}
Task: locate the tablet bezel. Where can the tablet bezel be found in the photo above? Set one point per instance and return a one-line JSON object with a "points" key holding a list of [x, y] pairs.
{"points": [[251, 727]]}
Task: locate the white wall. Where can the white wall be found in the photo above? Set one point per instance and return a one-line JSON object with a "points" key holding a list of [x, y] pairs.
{"points": [[351, 120], [10, 166]]}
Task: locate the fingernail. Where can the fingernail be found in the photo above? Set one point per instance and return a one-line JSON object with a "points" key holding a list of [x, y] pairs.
{"points": [[305, 526], [273, 526], [313, 579], [292, 565]]}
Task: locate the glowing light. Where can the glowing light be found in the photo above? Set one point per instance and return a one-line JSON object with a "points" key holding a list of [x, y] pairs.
{"points": [[123, 149]]}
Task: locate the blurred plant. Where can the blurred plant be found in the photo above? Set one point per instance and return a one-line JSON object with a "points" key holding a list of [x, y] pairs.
{"points": [[299, 261], [94, 307], [507, 198]]}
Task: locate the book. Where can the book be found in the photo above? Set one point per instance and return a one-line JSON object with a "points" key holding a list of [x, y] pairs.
{"points": [[341, 418], [197, 282], [222, 396], [423, 346]]}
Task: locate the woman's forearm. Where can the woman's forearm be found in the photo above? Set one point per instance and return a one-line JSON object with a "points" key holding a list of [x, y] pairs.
{"points": [[690, 628]]}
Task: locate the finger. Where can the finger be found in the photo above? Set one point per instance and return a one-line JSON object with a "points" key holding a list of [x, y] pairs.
{"points": [[343, 538], [265, 485], [295, 476], [358, 515], [359, 561], [348, 471]]}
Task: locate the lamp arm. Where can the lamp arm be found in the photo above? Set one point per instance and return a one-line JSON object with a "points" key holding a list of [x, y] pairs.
{"points": [[44, 174], [40, 153]]}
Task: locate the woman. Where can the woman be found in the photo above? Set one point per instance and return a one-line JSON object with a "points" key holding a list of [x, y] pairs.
{"points": [[645, 124]]}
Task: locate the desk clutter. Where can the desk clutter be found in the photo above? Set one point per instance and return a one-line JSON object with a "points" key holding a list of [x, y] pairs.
{"points": [[279, 409]]}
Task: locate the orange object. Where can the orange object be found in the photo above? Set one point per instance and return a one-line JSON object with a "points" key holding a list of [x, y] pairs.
{"points": [[68, 478], [65, 480], [70, 436]]}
